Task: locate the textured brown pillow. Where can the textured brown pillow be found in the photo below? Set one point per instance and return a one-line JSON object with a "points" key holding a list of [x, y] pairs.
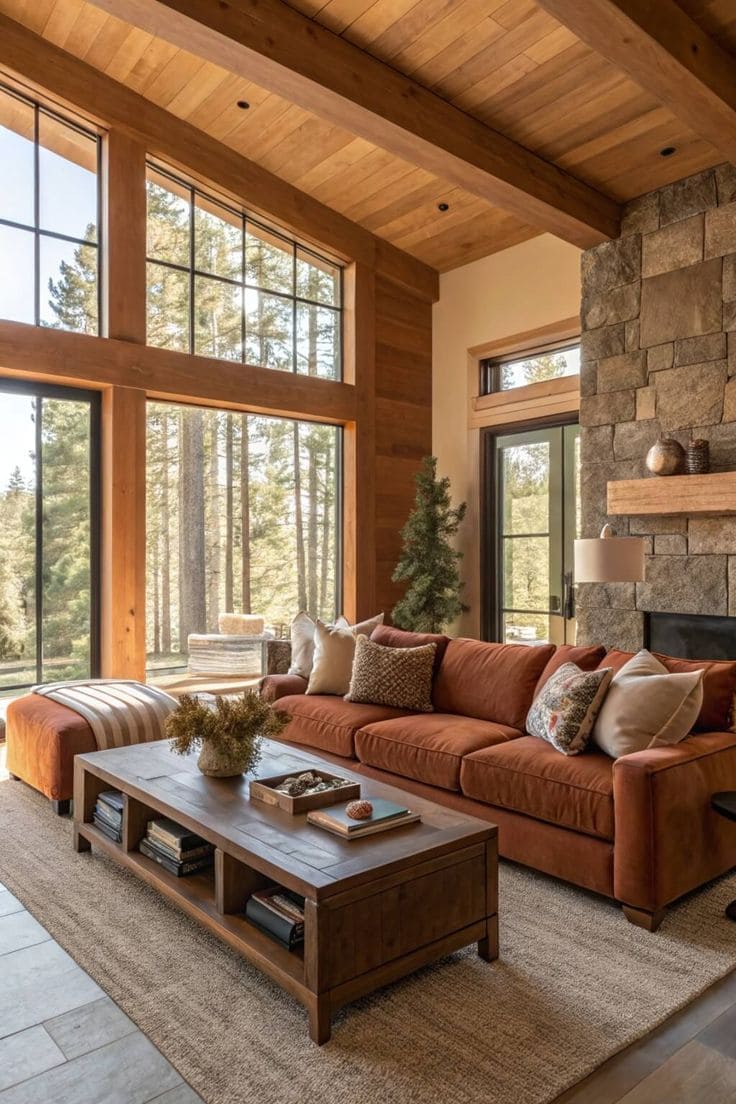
{"points": [[397, 677]]}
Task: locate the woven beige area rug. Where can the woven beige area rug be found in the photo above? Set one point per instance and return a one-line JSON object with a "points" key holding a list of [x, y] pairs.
{"points": [[574, 984]]}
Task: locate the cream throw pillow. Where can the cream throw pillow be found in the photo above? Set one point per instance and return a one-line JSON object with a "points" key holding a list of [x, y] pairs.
{"points": [[646, 706], [334, 649], [302, 639]]}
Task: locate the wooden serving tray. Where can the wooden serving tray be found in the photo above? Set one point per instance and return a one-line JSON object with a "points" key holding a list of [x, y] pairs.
{"points": [[262, 789]]}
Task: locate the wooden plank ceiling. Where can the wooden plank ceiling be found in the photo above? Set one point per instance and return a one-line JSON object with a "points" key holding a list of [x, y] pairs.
{"points": [[506, 62]]}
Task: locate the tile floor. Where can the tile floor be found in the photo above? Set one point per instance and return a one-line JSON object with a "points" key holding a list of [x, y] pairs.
{"points": [[62, 1040]]}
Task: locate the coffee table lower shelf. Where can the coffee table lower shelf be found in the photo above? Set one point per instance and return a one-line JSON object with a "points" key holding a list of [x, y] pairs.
{"points": [[355, 941]]}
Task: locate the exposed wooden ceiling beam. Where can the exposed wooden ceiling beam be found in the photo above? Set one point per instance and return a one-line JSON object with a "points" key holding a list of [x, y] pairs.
{"points": [[667, 54], [110, 103], [268, 42]]}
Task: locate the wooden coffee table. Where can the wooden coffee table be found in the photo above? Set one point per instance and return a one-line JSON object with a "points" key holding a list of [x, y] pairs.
{"points": [[376, 909]]}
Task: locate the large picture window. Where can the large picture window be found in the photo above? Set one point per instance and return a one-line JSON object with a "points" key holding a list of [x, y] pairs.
{"points": [[221, 284], [49, 218], [242, 515]]}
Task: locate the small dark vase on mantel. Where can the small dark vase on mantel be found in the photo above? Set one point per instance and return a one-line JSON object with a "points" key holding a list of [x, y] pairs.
{"points": [[697, 457], [666, 457]]}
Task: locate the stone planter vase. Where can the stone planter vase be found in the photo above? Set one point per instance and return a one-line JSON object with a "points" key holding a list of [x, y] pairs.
{"points": [[219, 764]]}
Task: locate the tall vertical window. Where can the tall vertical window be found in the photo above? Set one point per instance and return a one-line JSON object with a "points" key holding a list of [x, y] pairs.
{"points": [[49, 218], [243, 514], [221, 284], [535, 518], [49, 526]]}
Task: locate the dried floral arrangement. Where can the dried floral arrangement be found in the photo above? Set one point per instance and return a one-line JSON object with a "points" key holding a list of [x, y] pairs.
{"points": [[234, 727]]}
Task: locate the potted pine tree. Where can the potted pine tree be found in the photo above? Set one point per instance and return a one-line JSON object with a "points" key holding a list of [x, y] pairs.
{"points": [[429, 561]]}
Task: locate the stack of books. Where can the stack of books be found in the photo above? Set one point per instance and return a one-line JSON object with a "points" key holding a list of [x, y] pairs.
{"points": [[279, 913], [108, 814], [176, 849], [385, 815]]}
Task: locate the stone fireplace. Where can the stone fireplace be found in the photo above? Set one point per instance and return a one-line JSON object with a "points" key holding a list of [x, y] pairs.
{"points": [[659, 355]]}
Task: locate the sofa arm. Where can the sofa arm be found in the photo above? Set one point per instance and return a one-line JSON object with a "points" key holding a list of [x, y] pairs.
{"points": [[668, 840], [273, 687]]}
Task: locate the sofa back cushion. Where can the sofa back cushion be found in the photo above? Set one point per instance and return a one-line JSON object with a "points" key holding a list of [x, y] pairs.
{"points": [[391, 637], [586, 658], [494, 682], [719, 685]]}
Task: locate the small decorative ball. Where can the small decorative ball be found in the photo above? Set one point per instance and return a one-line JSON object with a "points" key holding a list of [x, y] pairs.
{"points": [[359, 810]]}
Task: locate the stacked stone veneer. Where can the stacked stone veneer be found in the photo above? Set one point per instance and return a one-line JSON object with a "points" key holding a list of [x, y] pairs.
{"points": [[659, 355]]}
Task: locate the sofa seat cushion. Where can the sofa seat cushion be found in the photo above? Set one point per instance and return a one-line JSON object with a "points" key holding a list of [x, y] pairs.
{"points": [[493, 682], [530, 776], [427, 747], [329, 723]]}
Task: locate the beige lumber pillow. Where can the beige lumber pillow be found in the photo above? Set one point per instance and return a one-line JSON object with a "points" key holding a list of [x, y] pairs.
{"points": [[646, 707], [398, 677], [303, 635], [334, 648]]}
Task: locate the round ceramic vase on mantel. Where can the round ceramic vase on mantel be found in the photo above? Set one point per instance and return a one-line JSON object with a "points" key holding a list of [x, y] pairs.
{"points": [[666, 457]]}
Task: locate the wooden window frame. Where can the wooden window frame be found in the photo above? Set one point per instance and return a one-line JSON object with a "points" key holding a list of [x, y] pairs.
{"points": [[126, 372], [535, 403]]}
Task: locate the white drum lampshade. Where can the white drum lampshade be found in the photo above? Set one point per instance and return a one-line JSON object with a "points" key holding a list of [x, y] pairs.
{"points": [[609, 559]]}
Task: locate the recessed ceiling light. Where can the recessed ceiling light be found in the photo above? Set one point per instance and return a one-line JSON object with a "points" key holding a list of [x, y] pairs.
{"points": [[243, 105], [443, 206], [667, 151]]}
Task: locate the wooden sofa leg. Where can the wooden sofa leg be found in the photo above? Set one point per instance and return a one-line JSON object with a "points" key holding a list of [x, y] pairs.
{"points": [[650, 921], [62, 808]]}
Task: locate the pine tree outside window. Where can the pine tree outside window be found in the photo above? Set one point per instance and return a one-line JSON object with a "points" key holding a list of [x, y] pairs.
{"points": [[49, 217], [243, 513], [224, 285]]}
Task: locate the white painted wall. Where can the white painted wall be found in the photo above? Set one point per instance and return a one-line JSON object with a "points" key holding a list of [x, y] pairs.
{"points": [[522, 288]]}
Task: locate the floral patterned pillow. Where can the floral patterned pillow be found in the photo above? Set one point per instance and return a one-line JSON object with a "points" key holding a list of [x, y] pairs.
{"points": [[565, 709]]}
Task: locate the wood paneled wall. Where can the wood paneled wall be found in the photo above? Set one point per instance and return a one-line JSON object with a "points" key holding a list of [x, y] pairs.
{"points": [[403, 414], [384, 403]]}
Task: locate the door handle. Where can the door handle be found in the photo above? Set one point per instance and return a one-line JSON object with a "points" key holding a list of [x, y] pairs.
{"points": [[568, 590]]}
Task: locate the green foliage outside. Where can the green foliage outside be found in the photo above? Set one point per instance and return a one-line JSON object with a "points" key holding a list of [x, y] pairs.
{"points": [[241, 509], [429, 562], [66, 543]]}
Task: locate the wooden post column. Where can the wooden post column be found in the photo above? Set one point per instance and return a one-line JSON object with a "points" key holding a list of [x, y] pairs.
{"points": [[124, 533], [123, 604], [125, 237], [359, 514]]}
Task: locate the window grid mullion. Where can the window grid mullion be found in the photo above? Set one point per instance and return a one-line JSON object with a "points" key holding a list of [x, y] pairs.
{"points": [[192, 272]]}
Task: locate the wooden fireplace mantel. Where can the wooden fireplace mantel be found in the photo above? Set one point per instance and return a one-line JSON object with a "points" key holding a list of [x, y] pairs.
{"points": [[713, 494]]}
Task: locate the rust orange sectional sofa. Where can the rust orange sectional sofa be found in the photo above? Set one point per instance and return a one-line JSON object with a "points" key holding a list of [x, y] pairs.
{"points": [[638, 829]]}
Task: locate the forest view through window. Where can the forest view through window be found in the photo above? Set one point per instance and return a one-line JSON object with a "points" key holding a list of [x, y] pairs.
{"points": [[221, 284], [49, 218], [242, 515], [48, 534]]}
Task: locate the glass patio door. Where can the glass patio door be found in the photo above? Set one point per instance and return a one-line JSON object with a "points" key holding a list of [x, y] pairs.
{"points": [[49, 534], [536, 518]]}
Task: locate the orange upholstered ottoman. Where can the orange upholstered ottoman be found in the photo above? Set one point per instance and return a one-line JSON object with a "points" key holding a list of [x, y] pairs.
{"points": [[42, 739]]}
